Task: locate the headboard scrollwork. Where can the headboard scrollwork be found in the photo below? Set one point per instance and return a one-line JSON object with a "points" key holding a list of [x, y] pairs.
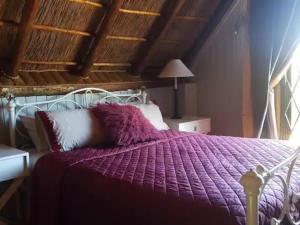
{"points": [[88, 98]]}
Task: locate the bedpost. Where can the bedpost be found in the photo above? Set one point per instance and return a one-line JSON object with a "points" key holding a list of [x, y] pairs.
{"points": [[144, 94], [252, 183], [11, 106]]}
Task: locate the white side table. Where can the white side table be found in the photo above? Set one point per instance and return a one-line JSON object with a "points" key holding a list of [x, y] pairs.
{"points": [[14, 165], [190, 124]]}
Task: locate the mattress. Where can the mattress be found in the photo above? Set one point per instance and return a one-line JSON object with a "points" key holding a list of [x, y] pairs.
{"points": [[183, 178]]}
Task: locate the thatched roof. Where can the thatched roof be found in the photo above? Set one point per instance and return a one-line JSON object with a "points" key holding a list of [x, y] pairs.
{"points": [[60, 42]]}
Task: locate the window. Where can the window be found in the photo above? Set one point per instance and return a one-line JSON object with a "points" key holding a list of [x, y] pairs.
{"points": [[292, 109]]}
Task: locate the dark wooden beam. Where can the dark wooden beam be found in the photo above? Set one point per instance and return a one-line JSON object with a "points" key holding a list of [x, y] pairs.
{"points": [[100, 37], [28, 14], [26, 90], [166, 24], [212, 24]]}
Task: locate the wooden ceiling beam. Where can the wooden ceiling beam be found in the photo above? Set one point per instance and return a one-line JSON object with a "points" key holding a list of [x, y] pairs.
{"points": [[60, 30], [112, 64], [48, 28], [126, 38], [95, 4], [139, 12], [53, 89], [70, 63], [197, 18], [49, 62], [212, 24], [100, 37], [166, 24], [28, 14]]}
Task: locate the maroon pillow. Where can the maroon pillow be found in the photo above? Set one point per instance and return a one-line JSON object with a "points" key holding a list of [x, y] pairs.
{"points": [[125, 124]]}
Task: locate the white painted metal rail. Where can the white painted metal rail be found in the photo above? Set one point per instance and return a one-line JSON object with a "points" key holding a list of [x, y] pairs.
{"points": [[254, 183]]}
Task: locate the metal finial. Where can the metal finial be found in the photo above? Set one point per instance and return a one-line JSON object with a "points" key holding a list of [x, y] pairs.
{"points": [[10, 97]]}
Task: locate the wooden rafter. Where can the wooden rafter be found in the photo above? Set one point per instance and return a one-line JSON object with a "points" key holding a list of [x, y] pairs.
{"points": [[100, 37], [157, 22], [29, 12], [197, 18], [112, 64], [73, 63], [126, 38], [48, 28], [49, 62], [167, 22], [95, 4], [203, 37], [59, 88], [84, 33], [139, 12], [61, 30], [112, 37]]}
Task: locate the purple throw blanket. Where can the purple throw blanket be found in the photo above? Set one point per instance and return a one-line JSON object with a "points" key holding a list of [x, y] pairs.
{"points": [[182, 179]]}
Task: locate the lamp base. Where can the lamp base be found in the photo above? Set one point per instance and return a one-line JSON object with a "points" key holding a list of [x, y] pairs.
{"points": [[176, 113]]}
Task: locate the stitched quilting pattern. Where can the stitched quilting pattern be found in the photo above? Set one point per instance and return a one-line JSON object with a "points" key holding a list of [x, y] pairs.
{"points": [[203, 171]]}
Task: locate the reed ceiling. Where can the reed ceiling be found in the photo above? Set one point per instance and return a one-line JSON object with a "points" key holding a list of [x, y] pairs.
{"points": [[60, 42]]}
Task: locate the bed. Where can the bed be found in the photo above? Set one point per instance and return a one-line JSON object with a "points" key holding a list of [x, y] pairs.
{"points": [[182, 178]]}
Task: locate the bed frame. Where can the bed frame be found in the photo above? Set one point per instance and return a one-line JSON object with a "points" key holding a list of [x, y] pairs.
{"points": [[253, 182], [88, 97]]}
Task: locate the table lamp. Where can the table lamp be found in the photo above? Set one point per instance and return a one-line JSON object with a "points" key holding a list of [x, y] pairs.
{"points": [[176, 69]]}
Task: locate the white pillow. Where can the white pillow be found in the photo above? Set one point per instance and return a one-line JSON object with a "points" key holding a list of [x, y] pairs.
{"points": [[71, 129], [153, 114], [32, 130]]}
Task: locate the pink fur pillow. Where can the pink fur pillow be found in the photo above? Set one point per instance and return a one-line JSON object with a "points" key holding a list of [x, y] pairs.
{"points": [[125, 124]]}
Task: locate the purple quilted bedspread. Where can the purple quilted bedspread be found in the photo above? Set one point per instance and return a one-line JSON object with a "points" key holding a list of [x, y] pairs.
{"points": [[183, 179]]}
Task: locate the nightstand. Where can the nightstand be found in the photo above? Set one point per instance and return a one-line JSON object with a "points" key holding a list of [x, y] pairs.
{"points": [[190, 124], [14, 165]]}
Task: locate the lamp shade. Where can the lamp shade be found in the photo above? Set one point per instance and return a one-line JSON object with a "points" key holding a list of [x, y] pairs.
{"points": [[175, 68]]}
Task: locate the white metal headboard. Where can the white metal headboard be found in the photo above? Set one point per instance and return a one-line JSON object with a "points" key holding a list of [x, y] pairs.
{"points": [[91, 96]]}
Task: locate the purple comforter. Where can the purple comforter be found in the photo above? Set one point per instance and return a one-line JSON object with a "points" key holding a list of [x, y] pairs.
{"points": [[183, 179]]}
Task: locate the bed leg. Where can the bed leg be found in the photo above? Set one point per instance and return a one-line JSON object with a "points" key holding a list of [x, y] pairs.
{"points": [[252, 183]]}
